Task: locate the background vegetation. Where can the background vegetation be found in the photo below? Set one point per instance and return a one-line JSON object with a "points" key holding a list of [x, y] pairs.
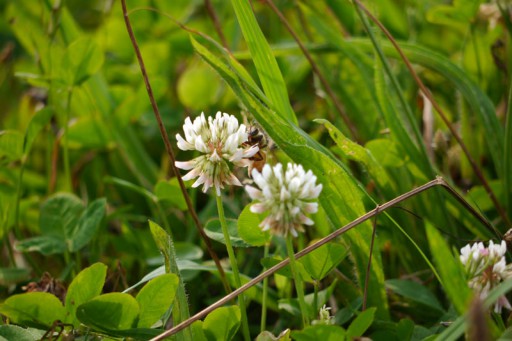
{"points": [[83, 166]]}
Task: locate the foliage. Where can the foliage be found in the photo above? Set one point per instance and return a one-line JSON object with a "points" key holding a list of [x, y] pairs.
{"points": [[83, 167]]}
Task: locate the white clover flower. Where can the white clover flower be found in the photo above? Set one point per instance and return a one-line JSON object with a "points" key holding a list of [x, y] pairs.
{"points": [[287, 196], [486, 268], [221, 140]]}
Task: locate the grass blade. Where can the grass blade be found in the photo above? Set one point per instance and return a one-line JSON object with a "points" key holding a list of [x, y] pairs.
{"points": [[264, 60]]}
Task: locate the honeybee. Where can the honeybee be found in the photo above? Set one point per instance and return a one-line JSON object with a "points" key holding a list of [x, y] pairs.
{"points": [[256, 137]]}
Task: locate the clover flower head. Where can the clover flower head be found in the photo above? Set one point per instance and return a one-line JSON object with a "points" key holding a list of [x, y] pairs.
{"points": [[221, 142], [485, 268], [287, 195]]}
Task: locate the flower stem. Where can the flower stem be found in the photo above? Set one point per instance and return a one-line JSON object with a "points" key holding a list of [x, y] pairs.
{"points": [[263, 324], [298, 281], [234, 267]]}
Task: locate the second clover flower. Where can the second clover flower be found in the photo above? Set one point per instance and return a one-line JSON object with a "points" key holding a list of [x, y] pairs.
{"points": [[220, 139], [485, 268], [287, 195]]}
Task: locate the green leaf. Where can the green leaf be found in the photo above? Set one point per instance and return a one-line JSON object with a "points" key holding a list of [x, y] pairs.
{"points": [[40, 119], [405, 329], [88, 225], [213, 229], [82, 59], [10, 276], [286, 271], [47, 245], [11, 145], [415, 292], [186, 250], [12, 332], [163, 242], [358, 153], [321, 261], [39, 309], [222, 323], [249, 230], [113, 311], [197, 331], [450, 269], [170, 191], [87, 285], [60, 214], [361, 323], [319, 332], [386, 153], [156, 298], [198, 87], [264, 60]]}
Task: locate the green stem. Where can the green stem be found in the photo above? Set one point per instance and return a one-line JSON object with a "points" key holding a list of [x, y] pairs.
{"points": [[315, 297], [180, 311], [67, 172], [234, 267], [8, 246], [263, 324], [298, 281]]}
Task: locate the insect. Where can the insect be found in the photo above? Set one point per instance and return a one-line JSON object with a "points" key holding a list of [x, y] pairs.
{"points": [[256, 137]]}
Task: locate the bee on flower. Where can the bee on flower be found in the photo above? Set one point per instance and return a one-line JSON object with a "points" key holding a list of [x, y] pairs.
{"points": [[221, 140], [486, 267], [287, 195]]}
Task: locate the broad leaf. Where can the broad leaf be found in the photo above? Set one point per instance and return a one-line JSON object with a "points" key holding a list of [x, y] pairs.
{"points": [[156, 298], [83, 58], [361, 323], [33, 309], [222, 323], [170, 191], [213, 229], [60, 214], [415, 292], [114, 311], [85, 286], [321, 261], [47, 245], [249, 230], [87, 225], [12, 332]]}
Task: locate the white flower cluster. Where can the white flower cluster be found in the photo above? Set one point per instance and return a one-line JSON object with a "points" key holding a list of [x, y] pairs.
{"points": [[485, 268], [221, 140], [287, 196]]}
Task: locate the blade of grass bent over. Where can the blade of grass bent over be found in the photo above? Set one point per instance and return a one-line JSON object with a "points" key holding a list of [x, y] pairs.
{"points": [[264, 60]]}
